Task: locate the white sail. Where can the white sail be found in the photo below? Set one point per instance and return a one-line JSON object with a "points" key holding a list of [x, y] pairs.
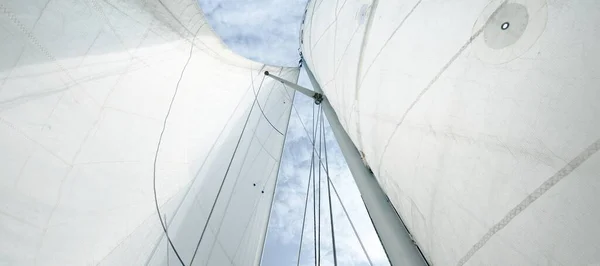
{"points": [[86, 88], [478, 118]]}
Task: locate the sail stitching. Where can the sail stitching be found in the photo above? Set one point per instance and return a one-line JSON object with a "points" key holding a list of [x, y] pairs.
{"points": [[425, 90], [527, 201]]}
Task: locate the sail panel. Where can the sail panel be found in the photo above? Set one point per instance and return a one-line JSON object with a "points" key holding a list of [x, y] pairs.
{"points": [[85, 89], [482, 133]]}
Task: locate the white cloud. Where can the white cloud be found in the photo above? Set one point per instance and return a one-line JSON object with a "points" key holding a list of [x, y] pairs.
{"points": [[263, 30]]}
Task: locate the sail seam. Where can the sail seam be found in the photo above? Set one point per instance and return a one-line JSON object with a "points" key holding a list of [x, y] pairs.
{"points": [[361, 55], [425, 90], [531, 198], [358, 78]]}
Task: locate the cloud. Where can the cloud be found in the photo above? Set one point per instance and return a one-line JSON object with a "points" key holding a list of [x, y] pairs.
{"points": [[262, 30]]}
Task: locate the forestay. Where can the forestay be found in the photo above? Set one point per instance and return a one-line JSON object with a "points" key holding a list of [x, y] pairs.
{"points": [[89, 90], [478, 118]]}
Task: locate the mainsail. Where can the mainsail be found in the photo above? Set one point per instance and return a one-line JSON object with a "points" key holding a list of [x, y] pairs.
{"points": [[479, 120], [112, 112]]}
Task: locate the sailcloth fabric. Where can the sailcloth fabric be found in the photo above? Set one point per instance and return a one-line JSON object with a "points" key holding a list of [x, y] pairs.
{"points": [[89, 89], [479, 120]]}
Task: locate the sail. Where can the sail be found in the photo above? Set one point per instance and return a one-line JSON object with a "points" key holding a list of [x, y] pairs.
{"points": [[113, 111], [478, 119]]}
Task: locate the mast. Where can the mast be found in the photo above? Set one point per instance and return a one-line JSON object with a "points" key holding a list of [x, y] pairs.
{"points": [[394, 237]]}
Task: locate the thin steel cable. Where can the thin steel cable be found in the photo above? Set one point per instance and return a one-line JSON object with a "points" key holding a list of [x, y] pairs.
{"points": [[329, 193], [337, 195], [350, 220], [224, 178], [314, 188], [320, 128], [304, 216]]}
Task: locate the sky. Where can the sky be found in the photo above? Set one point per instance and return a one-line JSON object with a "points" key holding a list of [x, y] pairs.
{"points": [[268, 31]]}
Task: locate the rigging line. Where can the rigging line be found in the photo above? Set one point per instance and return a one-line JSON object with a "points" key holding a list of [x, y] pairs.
{"points": [[212, 209], [329, 193], [162, 132], [314, 129], [320, 114], [336, 193], [350, 220], [304, 216], [258, 103], [330, 182]]}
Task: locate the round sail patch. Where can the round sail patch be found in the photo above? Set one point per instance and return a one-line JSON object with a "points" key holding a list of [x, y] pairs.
{"points": [[508, 29]]}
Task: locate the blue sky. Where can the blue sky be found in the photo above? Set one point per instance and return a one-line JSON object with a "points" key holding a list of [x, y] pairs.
{"points": [[268, 31]]}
